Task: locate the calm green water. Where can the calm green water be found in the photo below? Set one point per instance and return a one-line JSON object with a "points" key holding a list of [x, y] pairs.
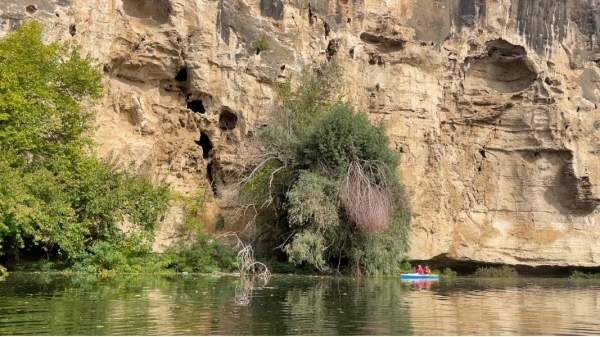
{"points": [[46, 304]]}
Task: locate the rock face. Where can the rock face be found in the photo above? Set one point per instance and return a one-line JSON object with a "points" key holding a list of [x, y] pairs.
{"points": [[492, 104]]}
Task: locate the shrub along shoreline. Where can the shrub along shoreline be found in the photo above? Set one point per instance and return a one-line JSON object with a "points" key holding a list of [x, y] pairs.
{"points": [[326, 189]]}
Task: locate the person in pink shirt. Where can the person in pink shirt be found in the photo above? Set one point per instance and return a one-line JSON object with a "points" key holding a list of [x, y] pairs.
{"points": [[419, 270]]}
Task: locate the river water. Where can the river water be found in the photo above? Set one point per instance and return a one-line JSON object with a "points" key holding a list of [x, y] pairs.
{"points": [[155, 305]]}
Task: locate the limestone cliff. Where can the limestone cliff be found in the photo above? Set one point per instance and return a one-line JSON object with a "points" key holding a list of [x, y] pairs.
{"points": [[493, 104]]}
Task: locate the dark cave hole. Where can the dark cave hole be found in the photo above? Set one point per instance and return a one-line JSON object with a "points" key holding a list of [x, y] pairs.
{"points": [[72, 29], [482, 152], [196, 105], [206, 145], [505, 68], [157, 10], [332, 47], [211, 179], [182, 75], [326, 28], [376, 60], [227, 120], [31, 9]]}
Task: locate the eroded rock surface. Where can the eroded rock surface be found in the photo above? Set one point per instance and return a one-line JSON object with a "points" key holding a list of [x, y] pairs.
{"points": [[492, 104]]}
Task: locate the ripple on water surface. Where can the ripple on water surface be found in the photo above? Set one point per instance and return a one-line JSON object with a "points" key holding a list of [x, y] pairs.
{"points": [[153, 305]]}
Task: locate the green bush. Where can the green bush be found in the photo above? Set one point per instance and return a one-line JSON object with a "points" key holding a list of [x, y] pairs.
{"points": [[496, 272], [307, 246], [343, 135], [134, 255], [130, 254], [311, 201], [206, 255], [261, 43], [192, 207], [55, 198], [311, 144], [448, 273]]}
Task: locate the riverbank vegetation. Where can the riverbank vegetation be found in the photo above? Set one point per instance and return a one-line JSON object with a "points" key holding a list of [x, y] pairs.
{"points": [[327, 190], [58, 202]]}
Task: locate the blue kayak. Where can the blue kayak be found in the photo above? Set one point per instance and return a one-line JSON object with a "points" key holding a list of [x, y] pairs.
{"points": [[419, 277]]}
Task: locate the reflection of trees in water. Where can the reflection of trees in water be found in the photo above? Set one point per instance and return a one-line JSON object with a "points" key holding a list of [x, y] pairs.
{"points": [[138, 304], [348, 306], [134, 305], [203, 305], [46, 304]]}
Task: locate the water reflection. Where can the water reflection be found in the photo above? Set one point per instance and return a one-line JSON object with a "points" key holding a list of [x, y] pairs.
{"points": [[46, 304], [522, 307]]}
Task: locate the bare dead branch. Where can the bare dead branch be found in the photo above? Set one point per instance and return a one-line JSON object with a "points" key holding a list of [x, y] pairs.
{"points": [[366, 197]]}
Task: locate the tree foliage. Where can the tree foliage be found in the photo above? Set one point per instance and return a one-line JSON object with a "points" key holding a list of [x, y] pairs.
{"points": [[55, 197], [331, 176]]}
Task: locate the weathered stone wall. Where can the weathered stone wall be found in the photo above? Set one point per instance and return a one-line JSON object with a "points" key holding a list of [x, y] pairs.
{"points": [[492, 104]]}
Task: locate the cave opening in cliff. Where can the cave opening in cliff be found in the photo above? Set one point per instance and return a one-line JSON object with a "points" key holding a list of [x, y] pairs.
{"points": [[227, 120], [182, 74], [206, 144], [505, 68], [157, 10], [311, 15], [332, 48], [196, 105], [31, 9], [210, 176]]}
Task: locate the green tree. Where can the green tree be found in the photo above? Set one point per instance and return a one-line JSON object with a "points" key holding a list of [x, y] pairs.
{"points": [[330, 176], [55, 197]]}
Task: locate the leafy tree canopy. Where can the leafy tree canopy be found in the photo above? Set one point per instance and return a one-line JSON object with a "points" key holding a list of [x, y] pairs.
{"points": [[55, 197], [331, 177]]}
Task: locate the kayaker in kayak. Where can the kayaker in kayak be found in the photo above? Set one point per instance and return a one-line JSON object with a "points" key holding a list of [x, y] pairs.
{"points": [[419, 270], [427, 270]]}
